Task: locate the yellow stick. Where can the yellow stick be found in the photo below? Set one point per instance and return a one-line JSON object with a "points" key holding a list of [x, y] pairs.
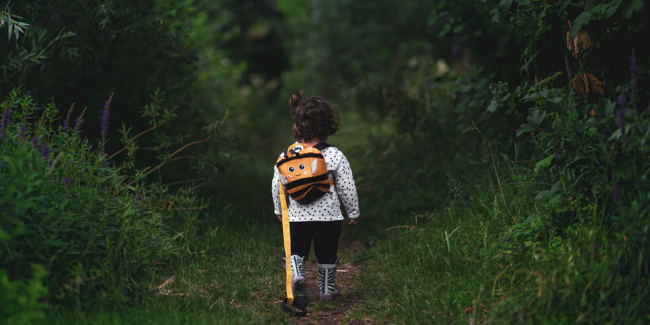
{"points": [[287, 243]]}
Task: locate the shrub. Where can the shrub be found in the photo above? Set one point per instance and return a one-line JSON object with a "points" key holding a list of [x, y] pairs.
{"points": [[64, 207]]}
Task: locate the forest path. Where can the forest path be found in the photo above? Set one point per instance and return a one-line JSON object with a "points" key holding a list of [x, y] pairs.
{"points": [[347, 278]]}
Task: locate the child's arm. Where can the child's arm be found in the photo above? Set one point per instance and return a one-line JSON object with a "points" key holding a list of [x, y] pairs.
{"points": [[275, 186], [346, 189]]}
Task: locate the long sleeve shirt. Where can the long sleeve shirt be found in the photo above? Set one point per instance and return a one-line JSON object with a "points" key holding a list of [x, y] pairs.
{"points": [[328, 207]]}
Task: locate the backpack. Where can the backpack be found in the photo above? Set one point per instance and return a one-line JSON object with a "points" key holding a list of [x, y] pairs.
{"points": [[303, 172]]}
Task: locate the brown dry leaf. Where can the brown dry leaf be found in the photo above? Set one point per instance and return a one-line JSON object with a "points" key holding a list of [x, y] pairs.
{"points": [[569, 44], [579, 85], [582, 41], [595, 85], [468, 310], [587, 83], [592, 113], [463, 242]]}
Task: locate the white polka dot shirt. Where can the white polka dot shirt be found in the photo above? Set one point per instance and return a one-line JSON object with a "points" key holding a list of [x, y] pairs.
{"points": [[328, 207]]}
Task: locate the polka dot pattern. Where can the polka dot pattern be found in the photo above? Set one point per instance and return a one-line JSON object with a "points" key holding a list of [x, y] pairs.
{"points": [[328, 207]]}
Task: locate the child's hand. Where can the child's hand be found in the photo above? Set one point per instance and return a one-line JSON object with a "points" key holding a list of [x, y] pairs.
{"points": [[353, 222], [280, 218]]}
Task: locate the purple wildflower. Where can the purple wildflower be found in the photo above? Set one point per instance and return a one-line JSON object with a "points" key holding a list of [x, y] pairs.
{"points": [[22, 131], [106, 115], [633, 66], [136, 199], [616, 194], [45, 152], [77, 124], [6, 120], [67, 182], [622, 101], [35, 142], [594, 249], [568, 71], [65, 124], [620, 118]]}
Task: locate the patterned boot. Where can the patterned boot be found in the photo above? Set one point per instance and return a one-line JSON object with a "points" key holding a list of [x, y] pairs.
{"points": [[298, 283], [327, 281]]}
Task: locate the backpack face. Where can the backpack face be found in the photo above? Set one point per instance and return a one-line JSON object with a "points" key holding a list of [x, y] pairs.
{"points": [[303, 172]]}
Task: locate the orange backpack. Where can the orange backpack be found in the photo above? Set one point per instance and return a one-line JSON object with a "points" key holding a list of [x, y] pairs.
{"points": [[303, 172]]}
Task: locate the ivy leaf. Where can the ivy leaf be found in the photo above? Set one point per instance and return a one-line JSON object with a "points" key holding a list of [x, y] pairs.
{"points": [[632, 7], [582, 20], [544, 162]]}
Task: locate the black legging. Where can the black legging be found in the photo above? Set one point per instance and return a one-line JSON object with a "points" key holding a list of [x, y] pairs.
{"points": [[326, 239]]}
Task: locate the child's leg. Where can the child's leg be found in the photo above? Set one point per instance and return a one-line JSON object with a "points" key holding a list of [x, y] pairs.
{"points": [[301, 236], [300, 243], [326, 243]]}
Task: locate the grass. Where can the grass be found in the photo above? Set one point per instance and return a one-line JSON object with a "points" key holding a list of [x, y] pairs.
{"points": [[438, 245]]}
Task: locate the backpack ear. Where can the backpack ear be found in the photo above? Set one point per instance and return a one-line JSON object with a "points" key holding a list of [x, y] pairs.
{"points": [[314, 164]]}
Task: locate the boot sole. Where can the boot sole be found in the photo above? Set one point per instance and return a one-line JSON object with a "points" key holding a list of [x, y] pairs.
{"points": [[300, 292], [329, 297]]}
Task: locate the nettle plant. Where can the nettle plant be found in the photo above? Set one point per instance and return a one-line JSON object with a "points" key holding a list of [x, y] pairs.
{"points": [[64, 206]]}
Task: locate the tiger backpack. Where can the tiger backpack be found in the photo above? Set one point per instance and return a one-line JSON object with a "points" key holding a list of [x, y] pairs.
{"points": [[303, 172]]}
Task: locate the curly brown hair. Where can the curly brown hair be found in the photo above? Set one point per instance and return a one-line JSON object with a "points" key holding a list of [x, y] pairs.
{"points": [[313, 117]]}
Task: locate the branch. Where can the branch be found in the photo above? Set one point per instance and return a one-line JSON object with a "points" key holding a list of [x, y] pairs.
{"points": [[183, 182], [168, 159], [135, 137], [196, 187]]}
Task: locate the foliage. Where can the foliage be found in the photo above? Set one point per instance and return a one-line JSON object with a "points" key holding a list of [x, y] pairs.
{"points": [[543, 217], [95, 229], [21, 301], [127, 47]]}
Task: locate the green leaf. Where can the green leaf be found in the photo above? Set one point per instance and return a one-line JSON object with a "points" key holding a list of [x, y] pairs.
{"points": [[632, 7], [495, 18], [605, 107], [544, 162], [524, 128], [493, 106], [505, 4], [542, 195], [536, 118], [582, 20]]}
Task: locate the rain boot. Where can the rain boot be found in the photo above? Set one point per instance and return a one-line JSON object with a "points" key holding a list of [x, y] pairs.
{"points": [[327, 281], [298, 282]]}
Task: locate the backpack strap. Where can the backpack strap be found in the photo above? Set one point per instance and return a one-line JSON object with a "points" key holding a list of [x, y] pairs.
{"points": [[322, 145]]}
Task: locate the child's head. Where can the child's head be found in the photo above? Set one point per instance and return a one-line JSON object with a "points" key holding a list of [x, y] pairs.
{"points": [[313, 118]]}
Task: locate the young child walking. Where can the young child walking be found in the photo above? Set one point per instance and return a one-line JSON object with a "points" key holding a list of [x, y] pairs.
{"points": [[317, 178]]}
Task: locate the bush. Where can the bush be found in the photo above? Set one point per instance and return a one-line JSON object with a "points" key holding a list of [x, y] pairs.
{"points": [[63, 206]]}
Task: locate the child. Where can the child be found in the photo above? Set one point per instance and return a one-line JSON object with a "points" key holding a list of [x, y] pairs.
{"points": [[320, 220]]}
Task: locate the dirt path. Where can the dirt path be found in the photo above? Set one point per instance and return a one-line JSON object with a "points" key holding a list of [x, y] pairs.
{"points": [[334, 311]]}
